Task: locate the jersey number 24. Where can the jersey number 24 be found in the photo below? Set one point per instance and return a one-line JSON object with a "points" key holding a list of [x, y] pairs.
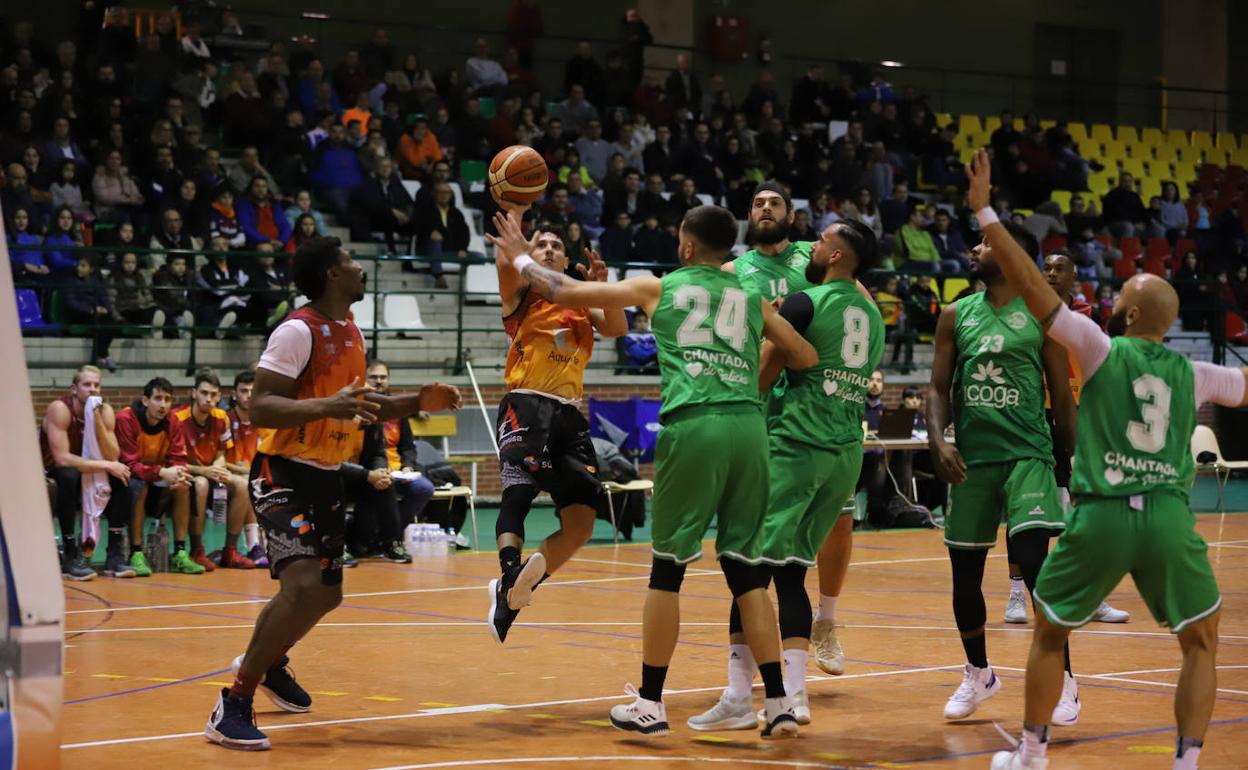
{"points": [[729, 322]]}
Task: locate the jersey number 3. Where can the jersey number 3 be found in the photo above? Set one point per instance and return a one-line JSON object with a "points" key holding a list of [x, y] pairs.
{"points": [[1150, 435], [729, 318]]}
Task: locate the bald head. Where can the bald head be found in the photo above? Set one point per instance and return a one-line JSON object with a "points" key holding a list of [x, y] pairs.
{"points": [[1146, 307]]}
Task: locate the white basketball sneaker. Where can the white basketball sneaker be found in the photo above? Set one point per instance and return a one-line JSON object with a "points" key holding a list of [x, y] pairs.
{"points": [[829, 656], [1107, 614], [1067, 711], [726, 715], [648, 717], [1013, 760], [801, 709], [779, 719], [1016, 608], [978, 685]]}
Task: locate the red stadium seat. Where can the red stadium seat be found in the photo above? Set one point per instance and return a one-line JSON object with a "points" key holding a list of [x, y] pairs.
{"points": [[1184, 245], [1236, 329], [1125, 267], [1131, 247], [1089, 292], [1158, 247], [1053, 242], [1105, 240], [1155, 265]]}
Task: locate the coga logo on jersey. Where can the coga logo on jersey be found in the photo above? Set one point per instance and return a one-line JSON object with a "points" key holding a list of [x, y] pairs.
{"points": [[989, 388]]}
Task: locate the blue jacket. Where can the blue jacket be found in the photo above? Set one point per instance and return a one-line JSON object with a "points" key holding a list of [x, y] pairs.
{"points": [[337, 167], [248, 215], [639, 348], [60, 261], [28, 257]]}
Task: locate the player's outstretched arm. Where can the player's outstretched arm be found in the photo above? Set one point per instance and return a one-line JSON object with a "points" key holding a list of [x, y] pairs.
{"points": [[434, 397], [948, 462], [1017, 266], [642, 291], [797, 351], [609, 323], [276, 403]]}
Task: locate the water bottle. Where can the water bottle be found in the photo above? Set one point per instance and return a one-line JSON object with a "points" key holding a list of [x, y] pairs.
{"points": [[410, 537], [450, 541], [220, 501], [156, 547]]}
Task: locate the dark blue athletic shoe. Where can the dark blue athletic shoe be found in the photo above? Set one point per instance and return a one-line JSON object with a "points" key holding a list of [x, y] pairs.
{"points": [[233, 724]]}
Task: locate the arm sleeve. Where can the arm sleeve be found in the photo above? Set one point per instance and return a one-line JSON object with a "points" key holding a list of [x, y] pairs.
{"points": [[1082, 338], [289, 349], [799, 311], [1215, 384]]}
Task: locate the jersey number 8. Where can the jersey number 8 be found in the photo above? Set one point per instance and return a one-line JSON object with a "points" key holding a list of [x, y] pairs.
{"points": [[857, 332], [729, 318]]}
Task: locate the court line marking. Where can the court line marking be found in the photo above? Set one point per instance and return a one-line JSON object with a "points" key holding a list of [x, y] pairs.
{"points": [[397, 624], [612, 759], [1112, 678], [1152, 671], [494, 706]]}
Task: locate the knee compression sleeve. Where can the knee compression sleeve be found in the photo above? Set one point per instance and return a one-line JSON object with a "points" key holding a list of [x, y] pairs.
{"points": [[795, 613], [1030, 547], [742, 578], [968, 597], [517, 500], [666, 575]]}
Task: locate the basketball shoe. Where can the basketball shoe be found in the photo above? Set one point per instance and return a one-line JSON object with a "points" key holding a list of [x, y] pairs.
{"points": [[280, 686], [648, 717], [233, 724]]}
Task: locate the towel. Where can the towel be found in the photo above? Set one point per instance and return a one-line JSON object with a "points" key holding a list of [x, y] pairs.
{"points": [[95, 489]]}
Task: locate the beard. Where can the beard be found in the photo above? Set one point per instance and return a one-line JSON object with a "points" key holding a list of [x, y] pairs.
{"points": [[985, 271], [772, 235], [1117, 325], [815, 273]]}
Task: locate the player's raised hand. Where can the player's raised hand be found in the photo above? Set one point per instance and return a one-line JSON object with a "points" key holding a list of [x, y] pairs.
{"points": [[979, 173], [948, 462], [437, 396], [510, 240], [348, 404], [597, 270]]}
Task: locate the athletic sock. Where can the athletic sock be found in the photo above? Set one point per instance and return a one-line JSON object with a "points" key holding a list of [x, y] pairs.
{"points": [[1187, 753], [773, 679], [652, 678], [135, 549], [197, 542], [1016, 584], [827, 608], [179, 545], [1068, 671], [508, 558], [252, 533], [282, 654], [1035, 742], [741, 668], [795, 671], [115, 538], [976, 650]]}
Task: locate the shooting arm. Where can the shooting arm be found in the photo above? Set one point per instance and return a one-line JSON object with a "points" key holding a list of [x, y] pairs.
{"points": [[942, 377]]}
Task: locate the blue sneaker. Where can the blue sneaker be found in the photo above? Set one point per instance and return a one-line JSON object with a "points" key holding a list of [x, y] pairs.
{"points": [[280, 686], [233, 724]]}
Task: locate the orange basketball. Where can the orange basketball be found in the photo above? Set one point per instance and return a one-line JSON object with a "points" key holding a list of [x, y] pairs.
{"points": [[518, 175]]}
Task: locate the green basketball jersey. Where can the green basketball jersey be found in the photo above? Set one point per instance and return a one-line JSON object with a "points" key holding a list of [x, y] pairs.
{"points": [[1136, 417], [998, 390], [708, 329], [777, 276], [823, 405]]}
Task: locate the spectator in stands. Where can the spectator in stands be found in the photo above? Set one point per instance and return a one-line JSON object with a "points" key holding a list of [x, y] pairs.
{"points": [[38, 176], [220, 299], [303, 206], [472, 132], [594, 151], [171, 290], [575, 112], [586, 207], [697, 162], [524, 26], [1046, 221], [173, 236], [682, 86], [630, 145], [245, 116], [1083, 215], [131, 296], [556, 208], [683, 201], [16, 194], [660, 156], [922, 306], [29, 265], [162, 182], [895, 211], [801, 229], [653, 243], [638, 352], [199, 88], [117, 195], [194, 210], [418, 150], [378, 55], [441, 173], [811, 99], [349, 77], [1195, 299], [64, 232], [359, 111], [915, 249], [248, 168], [271, 288], [303, 230], [259, 216], [194, 47], [336, 171], [627, 197], [867, 212], [441, 230], [1093, 258], [583, 70], [1173, 217], [415, 492], [483, 73], [616, 242], [1005, 135], [1123, 211], [86, 301], [224, 219], [67, 192], [61, 147], [383, 204], [572, 166], [950, 246], [635, 36], [576, 246]]}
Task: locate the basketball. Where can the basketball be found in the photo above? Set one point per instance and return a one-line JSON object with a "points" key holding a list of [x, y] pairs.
{"points": [[518, 175]]}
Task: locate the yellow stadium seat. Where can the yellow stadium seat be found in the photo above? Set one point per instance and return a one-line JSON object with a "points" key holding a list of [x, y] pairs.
{"points": [[1165, 153], [1061, 198], [1078, 132], [1047, 124], [1113, 150], [1202, 139], [992, 123], [1240, 158], [1150, 186], [1226, 141], [943, 118], [1189, 154], [1127, 135], [1184, 172], [953, 287], [970, 124], [966, 153], [1217, 156], [1100, 183], [1177, 137], [1101, 132], [1153, 136], [976, 141], [1133, 166]]}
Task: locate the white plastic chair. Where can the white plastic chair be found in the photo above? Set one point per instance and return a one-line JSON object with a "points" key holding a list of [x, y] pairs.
{"points": [[450, 493], [402, 312], [1205, 440], [301, 300], [610, 487], [481, 283], [363, 311]]}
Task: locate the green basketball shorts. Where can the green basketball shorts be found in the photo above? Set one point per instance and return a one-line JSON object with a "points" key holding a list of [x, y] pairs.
{"points": [[1023, 490], [711, 465], [809, 489], [1107, 539]]}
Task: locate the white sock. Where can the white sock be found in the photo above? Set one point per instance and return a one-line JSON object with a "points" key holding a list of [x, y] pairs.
{"points": [[252, 533], [1035, 744], [741, 669], [795, 671], [827, 608], [1191, 755], [1016, 584]]}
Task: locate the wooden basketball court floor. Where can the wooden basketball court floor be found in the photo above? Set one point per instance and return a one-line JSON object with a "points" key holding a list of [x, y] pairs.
{"points": [[405, 674]]}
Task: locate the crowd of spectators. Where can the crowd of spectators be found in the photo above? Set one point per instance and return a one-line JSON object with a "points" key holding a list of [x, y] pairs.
{"points": [[115, 141]]}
